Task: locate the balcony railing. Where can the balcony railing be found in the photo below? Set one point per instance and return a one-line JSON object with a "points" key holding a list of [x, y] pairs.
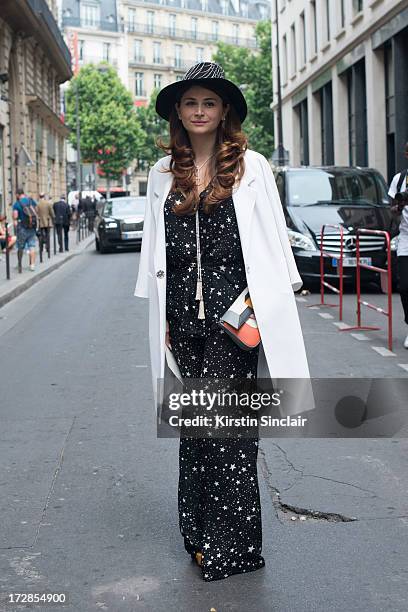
{"points": [[40, 7], [93, 59], [204, 37], [77, 22]]}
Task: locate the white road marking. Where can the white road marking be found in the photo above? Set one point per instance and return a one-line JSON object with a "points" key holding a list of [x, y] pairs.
{"points": [[383, 351], [140, 366], [301, 299], [360, 336], [404, 366], [340, 324], [325, 315], [314, 308]]}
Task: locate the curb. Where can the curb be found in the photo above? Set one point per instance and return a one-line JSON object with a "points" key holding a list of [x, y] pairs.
{"points": [[8, 297]]}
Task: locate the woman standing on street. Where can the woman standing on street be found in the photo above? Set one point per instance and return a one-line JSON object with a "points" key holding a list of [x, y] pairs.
{"points": [[213, 226]]}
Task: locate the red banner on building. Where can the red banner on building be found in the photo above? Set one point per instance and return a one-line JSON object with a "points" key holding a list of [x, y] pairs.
{"points": [[73, 47]]}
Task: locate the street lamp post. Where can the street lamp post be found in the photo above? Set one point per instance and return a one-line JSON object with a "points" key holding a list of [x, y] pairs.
{"points": [[280, 156]]}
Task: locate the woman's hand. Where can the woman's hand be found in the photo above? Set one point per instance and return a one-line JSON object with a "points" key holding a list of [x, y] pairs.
{"points": [[167, 340]]}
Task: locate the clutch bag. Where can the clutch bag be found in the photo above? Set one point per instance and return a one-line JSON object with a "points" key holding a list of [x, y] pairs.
{"points": [[239, 322]]}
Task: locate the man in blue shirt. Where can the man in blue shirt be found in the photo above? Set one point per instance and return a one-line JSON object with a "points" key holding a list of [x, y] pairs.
{"points": [[26, 236]]}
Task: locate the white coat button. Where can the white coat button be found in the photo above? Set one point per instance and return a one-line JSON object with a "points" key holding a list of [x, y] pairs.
{"points": [[160, 273]]}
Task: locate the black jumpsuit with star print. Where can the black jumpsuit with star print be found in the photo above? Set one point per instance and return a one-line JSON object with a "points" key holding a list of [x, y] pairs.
{"points": [[218, 495]]}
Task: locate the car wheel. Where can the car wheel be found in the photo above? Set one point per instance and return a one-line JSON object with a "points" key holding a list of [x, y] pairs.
{"points": [[97, 247], [103, 249]]}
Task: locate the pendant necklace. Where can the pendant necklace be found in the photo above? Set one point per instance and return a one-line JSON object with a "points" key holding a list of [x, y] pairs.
{"points": [[199, 287]]}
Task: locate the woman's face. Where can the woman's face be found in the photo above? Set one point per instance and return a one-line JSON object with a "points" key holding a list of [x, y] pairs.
{"points": [[201, 110]]}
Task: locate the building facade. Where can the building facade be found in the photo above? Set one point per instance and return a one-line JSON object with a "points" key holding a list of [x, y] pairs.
{"points": [[166, 37], [34, 61], [153, 43], [344, 81]]}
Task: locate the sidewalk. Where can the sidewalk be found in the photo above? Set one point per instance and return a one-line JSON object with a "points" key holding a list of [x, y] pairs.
{"points": [[9, 289]]}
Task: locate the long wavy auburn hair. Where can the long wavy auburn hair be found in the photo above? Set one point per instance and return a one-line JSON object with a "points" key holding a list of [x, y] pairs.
{"points": [[231, 144]]}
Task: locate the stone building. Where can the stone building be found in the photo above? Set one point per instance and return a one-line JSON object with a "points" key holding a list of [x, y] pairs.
{"points": [[153, 42], [344, 67], [34, 61]]}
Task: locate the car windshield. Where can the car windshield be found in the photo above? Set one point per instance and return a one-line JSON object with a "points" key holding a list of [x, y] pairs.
{"points": [[124, 207], [312, 187]]}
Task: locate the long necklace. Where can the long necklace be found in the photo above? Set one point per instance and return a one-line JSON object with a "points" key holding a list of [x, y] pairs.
{"points": [[199, 287]]}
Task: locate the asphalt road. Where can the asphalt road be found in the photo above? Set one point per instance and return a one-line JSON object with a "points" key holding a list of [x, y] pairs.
{"points": [[88, 501]]}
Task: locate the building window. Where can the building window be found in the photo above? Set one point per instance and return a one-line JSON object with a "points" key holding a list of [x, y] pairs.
{"points": [[194, 27], [357, 6], [303, 56], [235, 33], [285, 60], [157, 53], [199, 54], [314, 22], [244, 8], [224, 7], [138, 50], [90, 14], [177, 55], [342, 14], [131, 19], [327, 20], [139, 84], [215, 29], [304, 132], [172, 25], [204, 5], [357, 114], [81, 50], [293, 61], [389, 108], [157, 81], [106, 52], [150, 22], [326, 121]]}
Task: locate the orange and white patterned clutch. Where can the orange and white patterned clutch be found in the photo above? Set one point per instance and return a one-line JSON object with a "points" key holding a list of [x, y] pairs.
{"points": [[240, 324]]}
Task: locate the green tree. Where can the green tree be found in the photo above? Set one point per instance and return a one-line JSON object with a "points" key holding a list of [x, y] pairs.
{"points": [[154, 127], [111, 136], [253, 70]]}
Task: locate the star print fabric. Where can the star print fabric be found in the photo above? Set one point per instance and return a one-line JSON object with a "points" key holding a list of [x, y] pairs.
{"points": [[222, 263], [218, 494]]}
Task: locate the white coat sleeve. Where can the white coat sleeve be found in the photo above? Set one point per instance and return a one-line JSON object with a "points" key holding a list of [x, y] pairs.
{"points": [[142, 285], [274, 198]]}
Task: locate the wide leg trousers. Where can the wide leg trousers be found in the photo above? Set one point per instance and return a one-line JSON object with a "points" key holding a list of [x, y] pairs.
{"points": [[218, 494]]}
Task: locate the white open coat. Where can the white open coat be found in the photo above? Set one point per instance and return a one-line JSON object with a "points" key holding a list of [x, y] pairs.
{"points": [[271, 273]]}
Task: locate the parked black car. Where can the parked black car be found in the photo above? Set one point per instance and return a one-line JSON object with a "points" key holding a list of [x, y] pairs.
{"points": [[119, 223], [348, 196]]}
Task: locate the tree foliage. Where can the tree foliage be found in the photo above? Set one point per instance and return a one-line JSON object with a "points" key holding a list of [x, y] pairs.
{"points": [[154, 127], [253, 70], [110, 133]]}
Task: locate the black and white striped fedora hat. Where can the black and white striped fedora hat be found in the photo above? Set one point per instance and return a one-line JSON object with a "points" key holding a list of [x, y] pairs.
{"points": [[209, 75]]}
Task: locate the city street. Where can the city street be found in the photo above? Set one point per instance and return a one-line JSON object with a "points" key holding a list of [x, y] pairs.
{"points": [[89, 494]]}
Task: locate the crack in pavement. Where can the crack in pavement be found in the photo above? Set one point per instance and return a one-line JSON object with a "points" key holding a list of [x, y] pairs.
{"points": [[48, 498], [282, 508]]}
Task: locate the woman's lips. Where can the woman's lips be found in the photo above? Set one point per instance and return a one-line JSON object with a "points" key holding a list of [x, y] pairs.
{"points": [[199, 122]]}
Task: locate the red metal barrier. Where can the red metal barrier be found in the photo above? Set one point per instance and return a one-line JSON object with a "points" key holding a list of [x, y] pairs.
{"points": [[323, 282], [387, 272]]}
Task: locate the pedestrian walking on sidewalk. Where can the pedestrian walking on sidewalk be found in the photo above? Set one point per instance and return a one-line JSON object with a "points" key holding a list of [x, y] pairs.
{"points": [[213, 225], [398, 193], [46, 217], [25, 219], [62, 212]]}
